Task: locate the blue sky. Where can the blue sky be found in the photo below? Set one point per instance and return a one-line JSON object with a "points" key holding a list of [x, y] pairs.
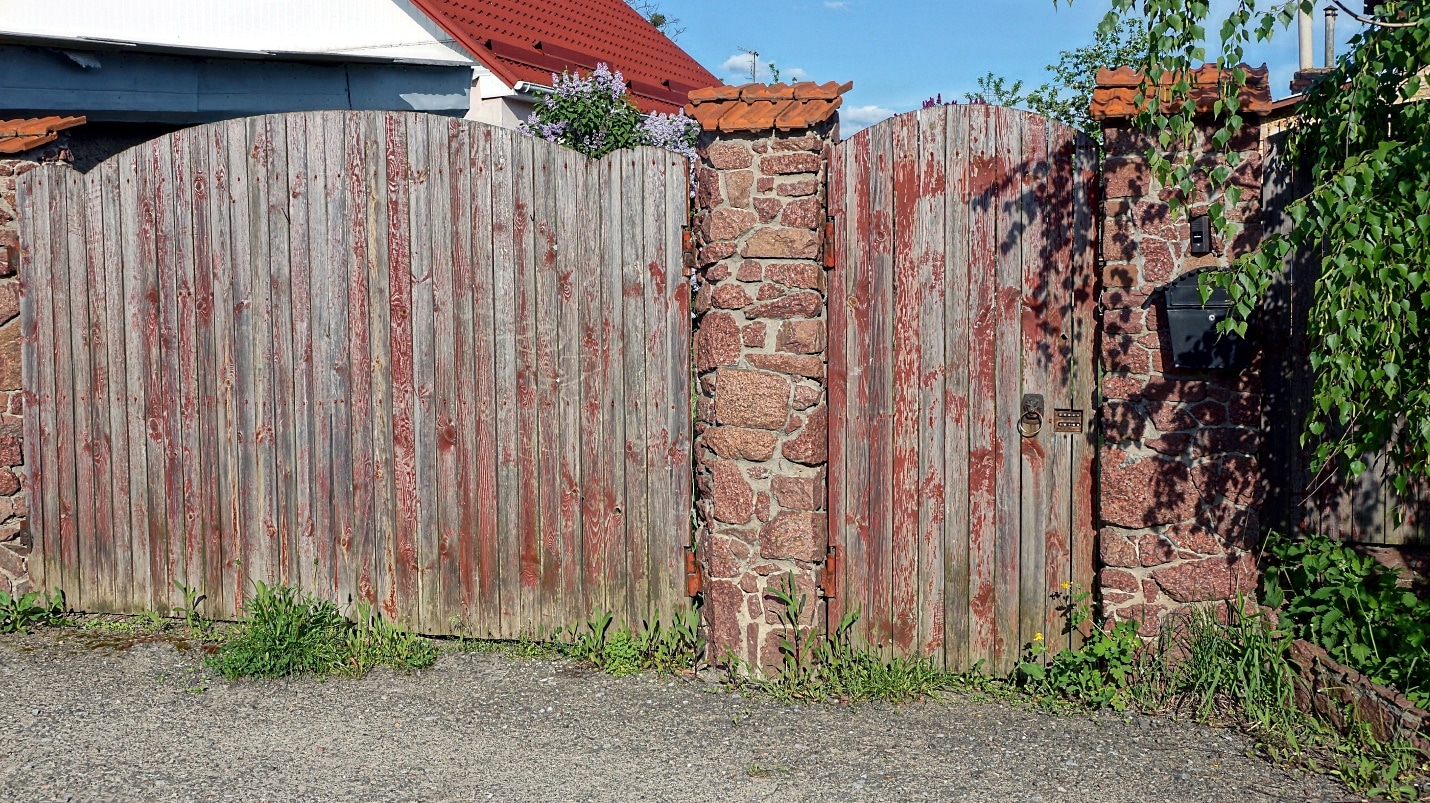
{"points": [[897, 52]]}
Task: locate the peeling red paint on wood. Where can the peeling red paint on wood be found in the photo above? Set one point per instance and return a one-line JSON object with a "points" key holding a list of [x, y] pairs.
{"points": [[385, 357], [954, 281]]}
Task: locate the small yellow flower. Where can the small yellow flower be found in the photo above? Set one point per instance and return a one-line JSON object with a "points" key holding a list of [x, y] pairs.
{"points": [[1037, 637], [1066, 585]]}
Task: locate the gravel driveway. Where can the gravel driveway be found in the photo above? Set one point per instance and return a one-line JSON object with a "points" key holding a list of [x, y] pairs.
{"points": [[96, 719]]}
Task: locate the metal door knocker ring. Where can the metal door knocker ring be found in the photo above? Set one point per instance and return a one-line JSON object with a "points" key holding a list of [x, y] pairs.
{"points": [[1030, 424]]}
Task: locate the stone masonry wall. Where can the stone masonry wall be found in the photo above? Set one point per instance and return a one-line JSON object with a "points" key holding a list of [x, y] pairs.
{"points": [[761, 436], [1180, 480]]}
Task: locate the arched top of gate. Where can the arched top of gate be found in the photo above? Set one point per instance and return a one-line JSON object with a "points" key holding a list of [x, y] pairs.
{"points": [[955, 117], [387, 131]]}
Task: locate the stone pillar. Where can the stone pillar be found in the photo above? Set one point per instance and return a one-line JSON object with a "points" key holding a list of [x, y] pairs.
{"points": [[1180, 478], [761, 432]]}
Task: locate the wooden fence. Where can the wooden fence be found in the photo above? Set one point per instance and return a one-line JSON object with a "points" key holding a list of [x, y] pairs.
{"points": [[964, 280], [423, 362], [1365, 510]]}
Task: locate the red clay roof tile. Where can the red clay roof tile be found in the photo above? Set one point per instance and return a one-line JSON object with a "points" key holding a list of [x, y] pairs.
{"points": [[760, 107], [1117, 89], [18, 136], [524, 41]]}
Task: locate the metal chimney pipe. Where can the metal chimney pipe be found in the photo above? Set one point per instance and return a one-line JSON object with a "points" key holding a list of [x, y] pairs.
{"points": [[1331, 14], [1303, 27]]}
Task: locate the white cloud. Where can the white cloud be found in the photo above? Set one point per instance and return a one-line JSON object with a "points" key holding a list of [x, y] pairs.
{"points": [[853, 119], [737, 69], [836, 5]]}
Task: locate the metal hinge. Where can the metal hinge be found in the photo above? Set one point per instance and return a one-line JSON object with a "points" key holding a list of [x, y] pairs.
{"points": [[828, 576], [694, 578], [687, 251], [829, 255]]}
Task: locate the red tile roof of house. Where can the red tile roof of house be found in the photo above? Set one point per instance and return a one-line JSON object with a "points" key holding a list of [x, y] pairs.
{"points": [[18, 136], [1116, 92], [761, 107], [521, 40]]}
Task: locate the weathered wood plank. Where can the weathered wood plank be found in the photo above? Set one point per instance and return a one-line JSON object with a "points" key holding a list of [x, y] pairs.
{"points": [[660, 530], [507, 230], [454, 398], [957, 281], [401, 263], [290, 468], [361, 136], [188, 564], [614, 348], [323, 275], [440, 495], [203, 558], [336, 369], [930, 251], [116, 388], [300, 409], [1040, 314], [1009, 290], [166, 403], [424, 264], [594, 351], [680, 417], [106, 550], [1055, 197], [857, 471], [881, 262], [571, 269], [217, 415], [81, 351], [1086, 278], [135, 222], [526, 264], [37, 316], [982, 385], [262, 551], [904, 388], [837, 396], [546, 164], [380, 183], [484, 258], [634, 376]]}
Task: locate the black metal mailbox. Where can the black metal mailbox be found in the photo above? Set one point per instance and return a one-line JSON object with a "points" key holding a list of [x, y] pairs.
{"points": [[1192, 327]]}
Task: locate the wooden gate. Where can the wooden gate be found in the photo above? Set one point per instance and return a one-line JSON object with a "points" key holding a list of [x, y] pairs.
{"points": [[418, 361], [963, 285]]}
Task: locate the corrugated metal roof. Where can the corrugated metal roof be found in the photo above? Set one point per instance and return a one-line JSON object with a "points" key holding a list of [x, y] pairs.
{"points": [[524, 41], [763, 107], [18, 136]]}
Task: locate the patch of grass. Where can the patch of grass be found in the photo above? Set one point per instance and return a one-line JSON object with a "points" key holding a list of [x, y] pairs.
{"points": [[35, 609], [1225, 666], [827, 667], [286, 633], [665, 648]]}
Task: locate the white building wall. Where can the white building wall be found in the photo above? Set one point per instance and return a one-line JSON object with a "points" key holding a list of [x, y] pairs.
{"points": [[385, 28]]}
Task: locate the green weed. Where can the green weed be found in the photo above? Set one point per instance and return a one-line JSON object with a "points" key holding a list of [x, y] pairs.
{"points": [[831, 667], [35, 609], [1098, 674], [288, 634], [1352, 607], [665, 649]]}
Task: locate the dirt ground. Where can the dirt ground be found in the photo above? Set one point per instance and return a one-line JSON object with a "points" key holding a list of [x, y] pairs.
{"points": [[89, 718]]}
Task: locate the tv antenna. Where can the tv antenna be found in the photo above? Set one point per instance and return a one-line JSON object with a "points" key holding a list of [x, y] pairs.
{"points": [[754, 63]]}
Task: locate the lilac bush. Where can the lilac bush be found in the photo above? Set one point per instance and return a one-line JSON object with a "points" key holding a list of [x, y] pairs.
{"points": [[593, 114]]}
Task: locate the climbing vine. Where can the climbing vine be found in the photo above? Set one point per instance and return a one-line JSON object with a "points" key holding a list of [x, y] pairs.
{"points": [[1363, 133]]}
